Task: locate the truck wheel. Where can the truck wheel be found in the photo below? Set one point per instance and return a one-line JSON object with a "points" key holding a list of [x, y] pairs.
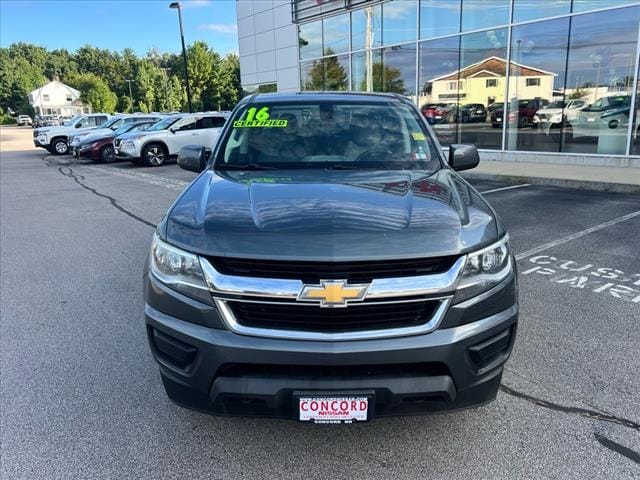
{"points": [[59, 146], [107, 154], [154, 155]]}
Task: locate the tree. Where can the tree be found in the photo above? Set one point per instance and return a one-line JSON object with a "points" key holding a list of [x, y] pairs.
{"points": [[202, 65], [335, 77], [94, 91], [158, 79], [577, 94]]}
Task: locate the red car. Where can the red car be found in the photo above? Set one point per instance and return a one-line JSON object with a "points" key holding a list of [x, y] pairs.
{"points": [[434, 112], [100, 148]]}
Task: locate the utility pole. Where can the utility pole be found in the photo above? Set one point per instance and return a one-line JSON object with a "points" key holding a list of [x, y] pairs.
{"points": [[130, 95], [368, 44], [176, 5]]}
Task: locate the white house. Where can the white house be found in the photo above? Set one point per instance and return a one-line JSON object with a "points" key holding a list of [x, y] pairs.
{"points": [[56, 98]]}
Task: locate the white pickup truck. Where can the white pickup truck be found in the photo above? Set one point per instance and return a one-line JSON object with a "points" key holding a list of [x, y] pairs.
{"points": [[55, 139], [162, 141]]}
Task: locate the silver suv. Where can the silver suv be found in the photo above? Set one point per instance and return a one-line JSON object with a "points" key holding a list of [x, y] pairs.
{"points": [[164, 140]]}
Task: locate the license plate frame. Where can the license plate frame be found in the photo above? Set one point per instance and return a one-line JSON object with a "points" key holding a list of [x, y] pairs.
{"points": [[357, 395]]}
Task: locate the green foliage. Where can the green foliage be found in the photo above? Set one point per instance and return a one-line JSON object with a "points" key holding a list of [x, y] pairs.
{"points": [[94, 91], [577, 94], [328, 75], [101, 74]]}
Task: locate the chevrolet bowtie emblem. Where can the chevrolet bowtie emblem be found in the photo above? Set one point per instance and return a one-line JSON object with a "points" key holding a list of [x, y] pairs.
{"points": [[332, 293]]}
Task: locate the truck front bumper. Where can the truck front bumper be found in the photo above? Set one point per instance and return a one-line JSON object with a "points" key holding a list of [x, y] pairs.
{"points": [[206, 367]]}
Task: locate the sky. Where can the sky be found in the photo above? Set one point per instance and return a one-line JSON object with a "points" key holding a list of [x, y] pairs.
{"points": [[118, 24]]}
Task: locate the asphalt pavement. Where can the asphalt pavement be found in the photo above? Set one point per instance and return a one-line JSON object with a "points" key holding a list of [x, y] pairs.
{"points": [[81, 395]]}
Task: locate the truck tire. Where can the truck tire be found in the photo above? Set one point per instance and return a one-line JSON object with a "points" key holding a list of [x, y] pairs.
{"points": [[154, 155], [59, 146]]}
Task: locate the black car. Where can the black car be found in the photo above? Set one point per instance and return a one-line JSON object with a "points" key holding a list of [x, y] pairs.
{"points": [[473, 112], [329, 265]]}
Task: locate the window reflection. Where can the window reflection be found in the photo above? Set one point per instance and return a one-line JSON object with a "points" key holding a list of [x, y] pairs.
{"points": [[524, 10], [601, 70], [399, 21], [537, 106], [635, 132], [336, 34], [439, 18], [482, 57], [366, 28], [391, 69], [438, 61], [310, 40], [325, 74], [584, 5], [478, 14]]}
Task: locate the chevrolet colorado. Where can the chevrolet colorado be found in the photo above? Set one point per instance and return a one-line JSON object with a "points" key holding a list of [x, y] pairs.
{"points": [[329, 265]]}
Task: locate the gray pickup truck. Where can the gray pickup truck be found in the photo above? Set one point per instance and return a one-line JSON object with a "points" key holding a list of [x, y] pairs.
{"points": [[329, 265]]}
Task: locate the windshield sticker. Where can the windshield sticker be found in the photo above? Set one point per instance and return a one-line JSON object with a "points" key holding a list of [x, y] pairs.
{"points": [[418, 136], [259, 118]]}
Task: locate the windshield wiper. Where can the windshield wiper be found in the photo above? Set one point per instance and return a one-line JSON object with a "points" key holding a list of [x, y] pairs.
{"points": [[244, 166], [342, 166]]}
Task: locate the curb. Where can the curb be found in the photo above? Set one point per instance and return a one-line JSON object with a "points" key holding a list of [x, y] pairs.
{"points": [[556, 182]]}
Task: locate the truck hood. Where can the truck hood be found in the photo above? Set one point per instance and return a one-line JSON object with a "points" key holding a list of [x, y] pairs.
{"points": [[330, 216]]}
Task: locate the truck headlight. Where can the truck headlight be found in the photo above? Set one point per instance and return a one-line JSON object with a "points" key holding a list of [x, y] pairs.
{"points": [[178, 270], [484, 270]]}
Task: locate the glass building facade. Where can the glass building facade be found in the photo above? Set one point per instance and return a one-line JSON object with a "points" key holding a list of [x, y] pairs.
{"points": [[555, 76]]}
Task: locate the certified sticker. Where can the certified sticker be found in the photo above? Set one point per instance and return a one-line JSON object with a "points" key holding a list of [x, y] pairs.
{"points": [[259, 119]]}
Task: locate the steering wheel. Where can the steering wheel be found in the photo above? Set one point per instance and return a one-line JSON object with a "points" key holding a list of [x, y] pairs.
{"points": [[373, 151]]}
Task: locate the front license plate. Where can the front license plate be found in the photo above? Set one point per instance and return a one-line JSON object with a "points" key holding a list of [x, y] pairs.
{"points": [[333, 409]]}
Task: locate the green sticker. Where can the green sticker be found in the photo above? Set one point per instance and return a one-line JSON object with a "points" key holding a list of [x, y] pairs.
{"points": [[259, 118]]}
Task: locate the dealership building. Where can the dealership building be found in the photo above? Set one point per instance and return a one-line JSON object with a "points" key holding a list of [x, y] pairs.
{"points": [[554, 80]]}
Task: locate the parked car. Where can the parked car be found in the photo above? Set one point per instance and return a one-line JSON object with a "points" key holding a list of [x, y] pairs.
{"points": [[473, 112], [523, 116], [164, 140], [329, 265], [433, 112], [527, 109], [23, 120], [99, 146], [107, 127], [557, 113], [605, 113], [55, 139]]}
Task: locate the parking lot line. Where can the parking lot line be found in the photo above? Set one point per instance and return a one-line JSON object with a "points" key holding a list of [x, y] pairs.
{"points": [[576, 235], [506, 188]]}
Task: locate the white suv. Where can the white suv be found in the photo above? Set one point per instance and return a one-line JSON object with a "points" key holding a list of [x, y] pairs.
{"points": [[109, 127], [164, 140], [55, 139]]}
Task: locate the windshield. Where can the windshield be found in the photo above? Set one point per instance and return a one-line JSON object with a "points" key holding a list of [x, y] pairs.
{"points": [[163, 124], [338, 135], [111, 123], [73, 120]]}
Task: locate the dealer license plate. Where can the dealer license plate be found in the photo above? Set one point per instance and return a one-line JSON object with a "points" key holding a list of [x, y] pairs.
{"points": [[333, 409]]}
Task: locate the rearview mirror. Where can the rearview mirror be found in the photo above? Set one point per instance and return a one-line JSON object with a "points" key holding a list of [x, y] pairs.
{"points": [[192, 158], [463, 157]]}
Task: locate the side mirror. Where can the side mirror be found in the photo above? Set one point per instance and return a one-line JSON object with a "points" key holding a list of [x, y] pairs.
{"points": [[192, 158], [463, 157], [77, 125], [172, 130]]}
